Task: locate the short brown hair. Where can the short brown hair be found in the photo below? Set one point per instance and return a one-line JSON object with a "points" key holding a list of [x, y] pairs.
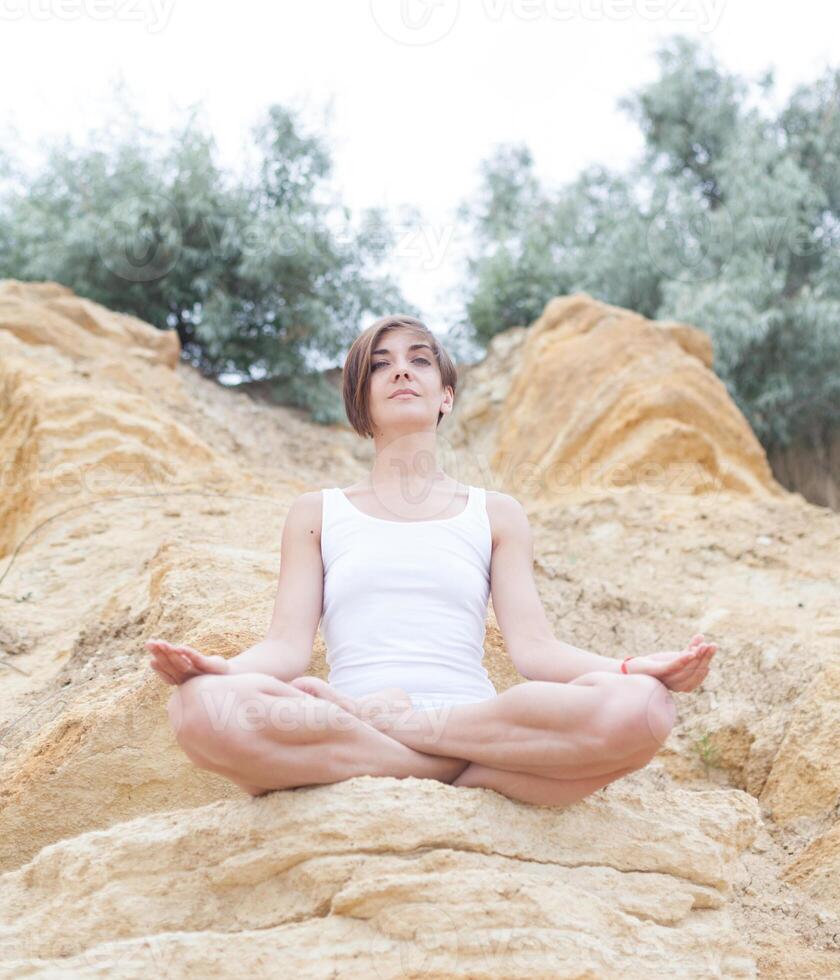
{"points": [[357, 371]]}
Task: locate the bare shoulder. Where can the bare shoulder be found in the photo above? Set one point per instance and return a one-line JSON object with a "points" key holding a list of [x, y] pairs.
{"points": [[507, 516], [304, 514]]}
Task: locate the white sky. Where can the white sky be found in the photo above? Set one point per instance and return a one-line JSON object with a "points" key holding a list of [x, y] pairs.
{"points": [[410, 122]]}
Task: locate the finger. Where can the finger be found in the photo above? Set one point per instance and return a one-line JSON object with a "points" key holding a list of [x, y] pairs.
{"points": [[167, 677], [663, 668], [191, 655], [158, 644], [162, 648], [185, 648], [687, 680], [193, 658], [198, 664], [178, 655], [163, 661], [683, 671], [205, 663], [683, 661], [176, 661], [705, 652]]}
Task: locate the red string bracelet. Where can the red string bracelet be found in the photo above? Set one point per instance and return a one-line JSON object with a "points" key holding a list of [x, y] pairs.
{"points": [[624, 664]]}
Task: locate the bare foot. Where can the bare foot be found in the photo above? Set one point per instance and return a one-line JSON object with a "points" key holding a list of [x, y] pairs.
{"points": [[369, 707], [321, 689]]}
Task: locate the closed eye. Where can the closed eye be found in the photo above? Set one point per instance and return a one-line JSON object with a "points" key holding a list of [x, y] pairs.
{"points": [[377, 364]]}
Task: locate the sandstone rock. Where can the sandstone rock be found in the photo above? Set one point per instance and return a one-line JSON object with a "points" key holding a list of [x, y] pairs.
{"points": [[143, 500], [817, 870], [388, 877], [805, 777], [593, 397]]}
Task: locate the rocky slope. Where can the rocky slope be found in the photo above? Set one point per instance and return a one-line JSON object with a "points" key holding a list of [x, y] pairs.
{"points": [[143, 500]]}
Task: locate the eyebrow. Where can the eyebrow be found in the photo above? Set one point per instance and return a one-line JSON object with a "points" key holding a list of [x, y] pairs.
{"points": [[384, 350]]}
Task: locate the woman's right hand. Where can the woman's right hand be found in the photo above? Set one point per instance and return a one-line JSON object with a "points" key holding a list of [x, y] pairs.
{"points": [[178, 663]]}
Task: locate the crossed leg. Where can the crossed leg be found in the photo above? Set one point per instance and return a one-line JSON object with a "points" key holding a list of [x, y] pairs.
{"points": [[538, 742], [512, 740], [264, 734]]}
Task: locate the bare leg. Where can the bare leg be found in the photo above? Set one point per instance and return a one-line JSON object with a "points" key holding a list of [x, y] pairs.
{"points": [[535, 789], [522, 786], [264, 734], [598, 724]]}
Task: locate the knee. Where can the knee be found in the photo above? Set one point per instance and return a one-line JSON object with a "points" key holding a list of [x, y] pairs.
{"points": [[640, 711]]}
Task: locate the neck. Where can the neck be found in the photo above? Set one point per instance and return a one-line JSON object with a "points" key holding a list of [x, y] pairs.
{"points": [[407, 462]]}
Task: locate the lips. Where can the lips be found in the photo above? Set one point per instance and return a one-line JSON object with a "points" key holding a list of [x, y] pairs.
{"points": [[403, 391]]}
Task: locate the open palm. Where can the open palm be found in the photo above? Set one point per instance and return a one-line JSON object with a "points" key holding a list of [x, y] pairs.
{"points": [[176, 663], [679, 670]]}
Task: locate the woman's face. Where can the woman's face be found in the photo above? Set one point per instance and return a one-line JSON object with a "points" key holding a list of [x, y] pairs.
{"points": [[404, 360]]}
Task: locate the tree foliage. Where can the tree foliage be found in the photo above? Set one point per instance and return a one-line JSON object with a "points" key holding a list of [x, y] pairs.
{"points": [[730, 221], [262, 274]]}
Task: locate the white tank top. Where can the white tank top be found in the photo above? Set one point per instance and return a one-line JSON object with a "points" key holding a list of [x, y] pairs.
{"points": [[405, 602]]}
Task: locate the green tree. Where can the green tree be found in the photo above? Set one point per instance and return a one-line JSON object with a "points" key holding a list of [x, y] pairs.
{"points": [[261, 274], [730, 220]]}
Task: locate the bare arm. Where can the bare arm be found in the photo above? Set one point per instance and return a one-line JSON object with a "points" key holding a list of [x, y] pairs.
{"points": [[286, 651], [559, 661], [536, 653], [287, 648], [274, 657]]}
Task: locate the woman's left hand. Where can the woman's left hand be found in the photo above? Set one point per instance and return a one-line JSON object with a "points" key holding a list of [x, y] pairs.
{"points": [[679, 670]]}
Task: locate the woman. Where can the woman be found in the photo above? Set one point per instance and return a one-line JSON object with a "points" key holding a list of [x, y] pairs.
{"points": [[398, 570]]}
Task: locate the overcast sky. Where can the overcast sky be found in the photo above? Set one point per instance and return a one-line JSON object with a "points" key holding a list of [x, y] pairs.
{"points": [[420, 92]]}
